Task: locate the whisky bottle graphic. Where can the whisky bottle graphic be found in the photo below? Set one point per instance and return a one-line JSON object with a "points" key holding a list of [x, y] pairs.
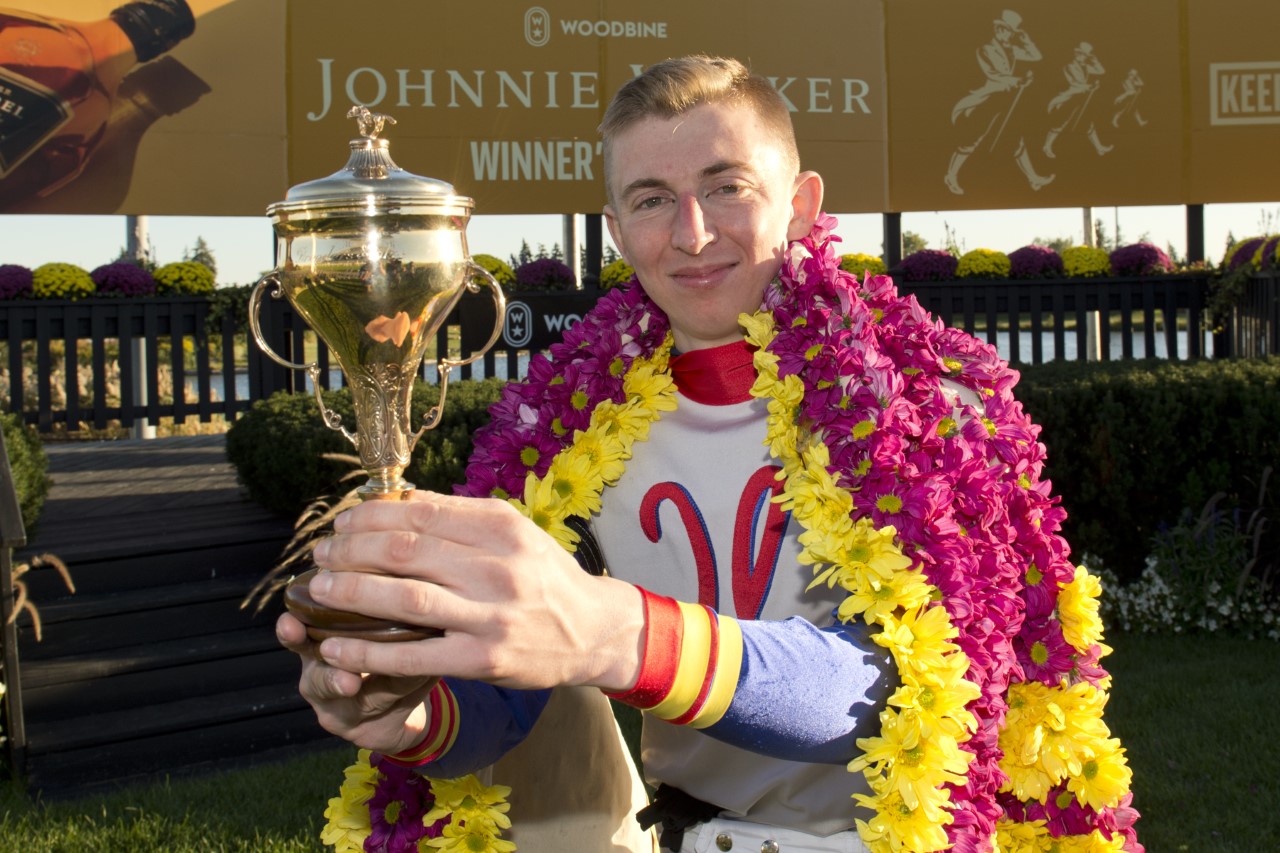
{"points": [[58, 81]]}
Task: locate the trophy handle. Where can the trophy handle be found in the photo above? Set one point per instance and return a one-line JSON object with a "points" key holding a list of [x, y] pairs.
{"points": [[332, 419], [444, 365]]}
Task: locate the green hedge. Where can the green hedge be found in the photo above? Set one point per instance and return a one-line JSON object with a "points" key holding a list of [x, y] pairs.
{"points": [[1132, 444], [276, 446], [28, 464]]}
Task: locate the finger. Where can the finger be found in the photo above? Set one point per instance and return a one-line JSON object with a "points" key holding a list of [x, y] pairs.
{"points": [[412, 601], [321, 683], [455, 655], [292, 634], [449, 518]]}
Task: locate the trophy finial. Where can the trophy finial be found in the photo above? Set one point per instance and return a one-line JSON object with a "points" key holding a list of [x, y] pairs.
{"points": [[370, 123]]}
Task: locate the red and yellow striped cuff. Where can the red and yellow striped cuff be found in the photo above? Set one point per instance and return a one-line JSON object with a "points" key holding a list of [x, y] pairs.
{"points": [[691, 663], [442, 730]]}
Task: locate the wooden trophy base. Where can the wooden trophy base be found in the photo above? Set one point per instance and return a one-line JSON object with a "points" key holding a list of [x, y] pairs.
{"points": [[323, 622]]}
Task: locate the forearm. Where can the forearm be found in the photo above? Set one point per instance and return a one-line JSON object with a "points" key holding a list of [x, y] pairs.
{"points": [[785, 689]]}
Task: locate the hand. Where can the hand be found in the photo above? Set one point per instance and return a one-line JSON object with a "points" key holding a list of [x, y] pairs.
{"points": [[384, 714], [515, 607]]}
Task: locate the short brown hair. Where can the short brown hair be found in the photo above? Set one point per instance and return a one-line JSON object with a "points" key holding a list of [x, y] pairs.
{"points": [[675, 86]]}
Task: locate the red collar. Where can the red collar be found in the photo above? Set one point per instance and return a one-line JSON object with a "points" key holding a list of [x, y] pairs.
{"points": [[719, 376]]}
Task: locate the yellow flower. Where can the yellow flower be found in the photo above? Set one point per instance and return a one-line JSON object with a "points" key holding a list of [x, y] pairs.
{"points": [[1030, 837], [918, 639], [1104, 778], [1078, 610], [939, 696], [576, 483], [897, 827], [1050, 733], [759, 328], [348, 813], [467, 839], [914, 762], [876, 598]]}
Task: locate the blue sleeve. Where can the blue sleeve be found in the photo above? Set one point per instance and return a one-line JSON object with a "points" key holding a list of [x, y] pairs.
{"points": [[807, 693], [491, 722]]}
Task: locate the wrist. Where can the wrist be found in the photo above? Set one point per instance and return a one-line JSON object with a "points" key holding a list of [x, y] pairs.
{"points": [[690, 662], [440, 733]]}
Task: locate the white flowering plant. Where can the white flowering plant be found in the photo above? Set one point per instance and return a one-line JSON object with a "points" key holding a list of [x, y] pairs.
{"points": [[1205, 574]]}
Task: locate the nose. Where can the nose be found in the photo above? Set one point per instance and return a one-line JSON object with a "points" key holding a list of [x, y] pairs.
{"points": [[690, 232]]}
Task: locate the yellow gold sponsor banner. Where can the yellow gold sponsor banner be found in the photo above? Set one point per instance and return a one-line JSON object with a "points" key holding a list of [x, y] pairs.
{"points": [[504, 103], [1234, 77], [901, 104], [1034, 104], [196, 129]]}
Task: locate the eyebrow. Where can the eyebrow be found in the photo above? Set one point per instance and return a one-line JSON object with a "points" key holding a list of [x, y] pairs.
{"points": [[714, 169]]}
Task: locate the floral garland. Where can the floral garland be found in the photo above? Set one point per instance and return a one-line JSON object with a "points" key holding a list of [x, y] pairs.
{"points": [[936, 524]]}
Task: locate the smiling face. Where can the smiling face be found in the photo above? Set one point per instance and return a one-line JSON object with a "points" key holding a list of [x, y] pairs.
{"points": [[703, 205]]}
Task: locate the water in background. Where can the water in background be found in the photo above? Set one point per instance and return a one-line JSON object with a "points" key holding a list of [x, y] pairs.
{"points": [[1069, 353]]}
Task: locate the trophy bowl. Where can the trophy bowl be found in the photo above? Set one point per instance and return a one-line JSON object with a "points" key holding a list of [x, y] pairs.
{"points": [[374, 258]]}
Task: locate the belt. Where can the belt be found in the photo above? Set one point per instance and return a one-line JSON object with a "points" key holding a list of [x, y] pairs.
{"points": [[676, 811]]}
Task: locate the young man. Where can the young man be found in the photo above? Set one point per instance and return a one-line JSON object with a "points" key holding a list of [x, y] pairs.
{"points": [[705, 195], [852, 434]]}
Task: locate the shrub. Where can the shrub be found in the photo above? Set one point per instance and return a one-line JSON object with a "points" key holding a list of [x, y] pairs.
{"points": [[123, 279], [498, 268], [983, 263], [861, 264], [184, 278], [615, 273], [929, 265], [1035, 262], [15, 282], [29, 465], [61, 281], [1132, 444], [1085, 262], [544, 274], [276, 446], [1140, 259], [1201, 578]]}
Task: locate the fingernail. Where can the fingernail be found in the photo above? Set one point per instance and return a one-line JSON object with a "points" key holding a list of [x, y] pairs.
{"points": [[331, 650], [320, 584], [321, 552], [342, 520]]}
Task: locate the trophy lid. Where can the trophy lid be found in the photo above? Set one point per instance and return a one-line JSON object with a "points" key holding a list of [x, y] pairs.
{"points": [[371, 183]]}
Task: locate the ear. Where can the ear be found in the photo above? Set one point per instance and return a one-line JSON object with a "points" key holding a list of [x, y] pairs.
{"points": [[615, 230], [806, 204]]}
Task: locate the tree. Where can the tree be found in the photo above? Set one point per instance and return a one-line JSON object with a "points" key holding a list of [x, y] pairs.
{"points": [[912, 242], [202, 254], [1055, 243], [951, 243], [523, 257]]}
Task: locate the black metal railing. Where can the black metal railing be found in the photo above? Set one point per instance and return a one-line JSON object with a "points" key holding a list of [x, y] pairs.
{"points": [[98, 361]]}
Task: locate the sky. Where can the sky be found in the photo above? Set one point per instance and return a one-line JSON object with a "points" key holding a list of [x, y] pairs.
{"points": [[243, 247]]}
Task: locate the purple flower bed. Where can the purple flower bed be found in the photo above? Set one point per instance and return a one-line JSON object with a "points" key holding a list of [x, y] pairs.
{"points": [[1140, 259], [15, 282], [123, 279], [544, 274], [1035, 262], [929, 265], [1244, 252]]}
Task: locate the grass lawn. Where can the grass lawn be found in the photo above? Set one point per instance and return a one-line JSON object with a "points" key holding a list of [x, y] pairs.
{"points": [[1199, 717]]}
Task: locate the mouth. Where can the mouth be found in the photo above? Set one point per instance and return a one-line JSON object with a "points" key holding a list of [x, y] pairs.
{"points": [[702, 275]]}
